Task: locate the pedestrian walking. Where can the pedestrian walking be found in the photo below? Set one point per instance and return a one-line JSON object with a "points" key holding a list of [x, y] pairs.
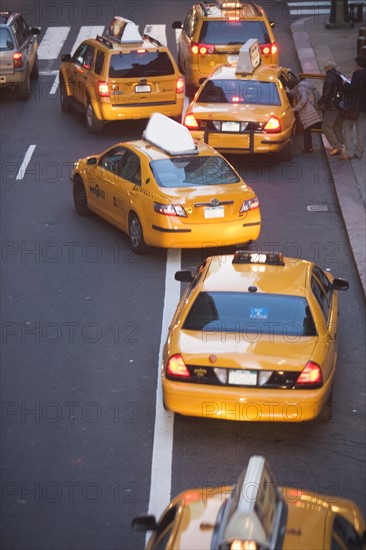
{"points": [[306, 96], [355, 101], [332, 125]]}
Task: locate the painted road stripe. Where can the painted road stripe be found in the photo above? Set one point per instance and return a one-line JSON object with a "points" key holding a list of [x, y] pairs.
{"points": [[52, 42], [87, 32], [23, 167], [158, 32], [315, 10], [55, 84], [313, 5], [161, 465]]}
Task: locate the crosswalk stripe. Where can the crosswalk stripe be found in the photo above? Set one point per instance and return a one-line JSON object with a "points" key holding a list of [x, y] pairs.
{"points": [[313, 11], [158, 32], [87, 32], [52, 42], [313, 5]]}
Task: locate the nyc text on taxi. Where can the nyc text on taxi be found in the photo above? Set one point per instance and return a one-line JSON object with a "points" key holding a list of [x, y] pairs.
{"points": [[121, 76], [245, 108], [165, 190], [254, 338]]}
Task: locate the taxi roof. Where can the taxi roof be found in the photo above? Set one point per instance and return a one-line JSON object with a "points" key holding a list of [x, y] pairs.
{"points": [[222, 9], [289, 279], [266, 73]]}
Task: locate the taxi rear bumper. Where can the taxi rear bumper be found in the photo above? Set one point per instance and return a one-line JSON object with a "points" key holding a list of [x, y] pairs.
{"points": [[137, 111], [244, 143]]}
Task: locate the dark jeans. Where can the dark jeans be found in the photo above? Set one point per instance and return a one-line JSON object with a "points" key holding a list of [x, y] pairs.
{"points": [[308, 142]]}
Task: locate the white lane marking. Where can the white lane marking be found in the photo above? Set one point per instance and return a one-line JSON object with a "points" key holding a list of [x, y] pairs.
{"points": [[158, 32], [161, 465], [89, 31], [23, 166], [52, 42], [55, 84], [309, 4], [48, 73], [315, 10]]}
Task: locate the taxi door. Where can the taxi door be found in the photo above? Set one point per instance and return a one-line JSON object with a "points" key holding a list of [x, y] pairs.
{"points": [[101, 179], [124, 192], [79, 69]]}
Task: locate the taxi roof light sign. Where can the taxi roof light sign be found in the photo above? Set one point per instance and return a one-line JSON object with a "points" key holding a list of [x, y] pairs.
{"points": [[124, 31], [249, 57], [264, 258], [169, 135]]}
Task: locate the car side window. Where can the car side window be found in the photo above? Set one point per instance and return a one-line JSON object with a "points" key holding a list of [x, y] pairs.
{"points": [[344, 535], [80, 55], [88, 60], [112, 159], [320, 296], [19, 35], [326, 284], [99, 62], [190, 24], [164, 529], [130, 168]]}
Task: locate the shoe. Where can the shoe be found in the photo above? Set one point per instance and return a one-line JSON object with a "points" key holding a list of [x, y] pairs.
{"points": [[345, 157], [358, 156], [335, 152], [307, 151]]}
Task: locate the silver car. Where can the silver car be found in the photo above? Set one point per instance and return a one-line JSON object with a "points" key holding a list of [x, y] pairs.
{"points": [[18, 53]]}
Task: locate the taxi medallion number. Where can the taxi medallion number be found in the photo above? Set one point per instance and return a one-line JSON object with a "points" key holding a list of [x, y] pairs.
{"points": [[243, 377], [214, 212], [142, 88], [229, 126]]}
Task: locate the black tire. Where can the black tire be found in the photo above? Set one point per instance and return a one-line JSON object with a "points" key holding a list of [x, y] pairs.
{"points": [[136, 235], [287, 153], [80, 197], [35, 71], [25, 89], [94, 125], [64, 98], [325, 414]]}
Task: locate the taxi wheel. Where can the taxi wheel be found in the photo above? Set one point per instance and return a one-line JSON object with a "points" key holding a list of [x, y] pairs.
{"points": [[80, 197], [94, 125], [325, 414], [35, 71], [64, 98], [135, 234], [24, 88]]}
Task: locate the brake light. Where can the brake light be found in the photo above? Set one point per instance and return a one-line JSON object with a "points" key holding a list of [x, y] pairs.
{"points": [[103, 88], [177, 367], [170, 209], [311, 375], [267, 49], [179, 89], [190, 121], [141, 50], [274, 49], [272, 126], [250, 204], [17, 60], [202, 48]]}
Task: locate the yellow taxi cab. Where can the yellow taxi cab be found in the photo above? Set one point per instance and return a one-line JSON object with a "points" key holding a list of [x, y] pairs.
{"points": [[253, 338], [245, 108], [214, 31], [255, 514], [165, 190], [121, 76]]}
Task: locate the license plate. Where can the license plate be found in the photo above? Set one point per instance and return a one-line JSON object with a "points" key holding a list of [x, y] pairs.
{"points": [[214, 212], [142, 88], [230, 126], [243, 377]]}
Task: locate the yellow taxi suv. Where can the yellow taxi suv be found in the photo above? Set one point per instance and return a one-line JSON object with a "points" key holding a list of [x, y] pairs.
{"points": [[213, 33], [121, 76], [254, 338], [255, 514], [245, 108], [167, 191]]}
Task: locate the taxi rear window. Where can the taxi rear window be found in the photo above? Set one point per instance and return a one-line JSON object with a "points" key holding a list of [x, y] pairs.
{"points": [[136, 64], [6, 41], [254, 92], [233, 32], [251, 313], [193, 171]]}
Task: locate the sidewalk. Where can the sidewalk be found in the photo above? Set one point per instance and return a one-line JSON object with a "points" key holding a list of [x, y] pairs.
{"points": [[315, 46]]}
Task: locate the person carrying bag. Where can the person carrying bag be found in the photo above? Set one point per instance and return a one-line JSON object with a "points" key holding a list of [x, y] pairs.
{"points": [[306, 96]]}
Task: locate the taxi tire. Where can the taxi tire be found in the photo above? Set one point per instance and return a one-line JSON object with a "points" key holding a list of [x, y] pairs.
{"points": [[35, 71], [94, 125], [325, 414], [80, 197], [24, 88], [135, 235], [64, 98]]}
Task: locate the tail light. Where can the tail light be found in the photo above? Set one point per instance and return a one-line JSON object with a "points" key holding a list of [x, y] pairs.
{"points": [[202, 48], [191, 122], [103, 88], [17, 60], [310, 376], [176, 367], [250, 204], [272, 125], [179, 88], [267, 49], [170, 209]]}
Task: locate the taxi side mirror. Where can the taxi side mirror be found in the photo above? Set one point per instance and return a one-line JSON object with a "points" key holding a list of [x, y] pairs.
{"points": [[177, 25], [35, 30], [340, 284], [66, 58], [91, 161], [184, 276], [144, 523], [272, 23]]}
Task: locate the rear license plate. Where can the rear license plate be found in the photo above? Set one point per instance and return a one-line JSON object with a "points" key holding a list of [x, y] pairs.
{"points": [[142, 89], [230, 126], [214, 212], [243, 377]]}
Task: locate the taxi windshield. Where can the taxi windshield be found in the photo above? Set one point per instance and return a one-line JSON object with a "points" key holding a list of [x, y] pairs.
{"points": [[233, 32], [193, 171], [254, 92], [251, 313], [145, 63]]}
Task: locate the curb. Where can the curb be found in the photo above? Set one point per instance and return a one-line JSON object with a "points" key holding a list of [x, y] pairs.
{"points": [[343, 176]]}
